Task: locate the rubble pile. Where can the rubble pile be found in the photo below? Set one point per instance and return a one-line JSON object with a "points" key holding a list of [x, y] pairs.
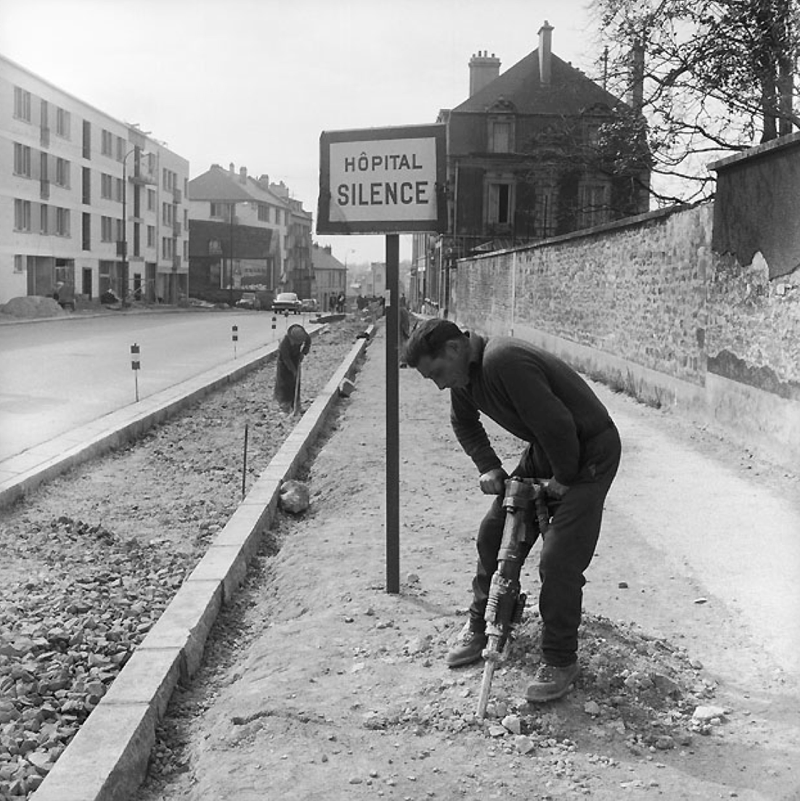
{"points": [[635, 691]]}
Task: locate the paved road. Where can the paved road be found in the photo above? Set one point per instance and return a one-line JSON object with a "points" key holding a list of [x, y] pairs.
{"points": [[58, 374]]}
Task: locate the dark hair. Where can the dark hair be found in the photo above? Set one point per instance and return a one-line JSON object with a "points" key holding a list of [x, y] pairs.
{"points": [[429, 338]]}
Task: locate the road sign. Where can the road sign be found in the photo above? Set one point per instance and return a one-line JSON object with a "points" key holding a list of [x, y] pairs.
{"points": [[382, 180]]}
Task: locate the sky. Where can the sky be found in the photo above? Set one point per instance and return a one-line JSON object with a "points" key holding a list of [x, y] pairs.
{"points": [[255, 82]]}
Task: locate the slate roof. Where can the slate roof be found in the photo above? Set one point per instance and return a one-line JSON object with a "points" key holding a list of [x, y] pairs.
{"points": [[322, 260], [570, 92], [218, 184]]}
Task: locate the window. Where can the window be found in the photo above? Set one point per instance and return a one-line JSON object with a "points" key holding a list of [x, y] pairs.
{"points": [[107, 143], [106, 186], [169, 179], [500, 136], [22, 160], [22, 215], [151, 236], [43, 214], [62, 173], [263, 212], [86, 184], [499, 208], [167, 247], [106, 229], [221, 210], [167, 213], [151, 199], [120, 230], [62, 222], [277, 216], [19, 263], [22, 104], [594, 204], [120, 148], [63, 123], [87, 139], [119, 189], [86, 231]]}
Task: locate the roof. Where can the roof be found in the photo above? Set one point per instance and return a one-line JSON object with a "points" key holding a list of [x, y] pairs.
{"points": [[569, 92], [321, 259], [220, 185]]}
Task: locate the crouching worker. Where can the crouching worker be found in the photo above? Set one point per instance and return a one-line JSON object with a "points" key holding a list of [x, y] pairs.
{"points": [[572, 441], [293, 347]]}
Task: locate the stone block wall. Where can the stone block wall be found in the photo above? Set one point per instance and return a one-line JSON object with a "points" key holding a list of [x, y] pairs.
{"points": [[646, 306]]}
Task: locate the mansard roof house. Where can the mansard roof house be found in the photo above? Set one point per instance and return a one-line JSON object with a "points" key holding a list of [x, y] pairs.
{"points": [[528, 158], [247, 234]]}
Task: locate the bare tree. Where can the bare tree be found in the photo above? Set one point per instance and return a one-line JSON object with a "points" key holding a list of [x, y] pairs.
{"points": [[710, 77]]}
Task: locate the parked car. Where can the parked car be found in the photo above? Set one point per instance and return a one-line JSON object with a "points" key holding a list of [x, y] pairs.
{"points": [[309, 304], [248, 301], [287, 302]]}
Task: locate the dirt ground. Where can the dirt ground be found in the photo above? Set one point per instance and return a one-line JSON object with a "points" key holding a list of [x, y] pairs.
{"points": [[318, 684]]}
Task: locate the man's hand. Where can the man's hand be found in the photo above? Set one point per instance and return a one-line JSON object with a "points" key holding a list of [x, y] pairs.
{"points": [[494, 482], [555, 489]]}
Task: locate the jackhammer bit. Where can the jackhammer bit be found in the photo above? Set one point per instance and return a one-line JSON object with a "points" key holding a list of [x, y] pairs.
{"points": [[523, 498]]}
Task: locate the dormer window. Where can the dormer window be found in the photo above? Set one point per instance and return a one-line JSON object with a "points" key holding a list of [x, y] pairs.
{"points": [[501, 127], [500, 136]]}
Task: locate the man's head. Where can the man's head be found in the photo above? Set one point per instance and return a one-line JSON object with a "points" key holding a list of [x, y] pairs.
{"points": [[439, 350]]}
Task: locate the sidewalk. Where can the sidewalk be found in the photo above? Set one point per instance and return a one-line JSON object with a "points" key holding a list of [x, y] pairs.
{"points": [[337, 690]]}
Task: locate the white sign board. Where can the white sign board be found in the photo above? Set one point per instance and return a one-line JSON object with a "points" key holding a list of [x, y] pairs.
{"points": [[382, 180]]}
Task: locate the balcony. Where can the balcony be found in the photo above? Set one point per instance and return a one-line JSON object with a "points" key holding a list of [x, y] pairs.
{"points": [[176, 229], [142, 177], [177, 195]]}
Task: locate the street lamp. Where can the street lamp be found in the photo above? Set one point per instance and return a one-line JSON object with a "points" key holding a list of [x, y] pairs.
{"points": [[124, 242]]}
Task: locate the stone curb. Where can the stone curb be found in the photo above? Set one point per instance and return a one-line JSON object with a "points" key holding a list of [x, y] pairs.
{"points": [[23, 472], [107, 759]]}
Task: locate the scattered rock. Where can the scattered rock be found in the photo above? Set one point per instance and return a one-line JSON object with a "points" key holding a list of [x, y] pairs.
{"points": [[294, 497]]}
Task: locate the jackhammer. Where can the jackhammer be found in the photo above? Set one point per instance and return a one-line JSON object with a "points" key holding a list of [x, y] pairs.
{"points": [[527, 515]]}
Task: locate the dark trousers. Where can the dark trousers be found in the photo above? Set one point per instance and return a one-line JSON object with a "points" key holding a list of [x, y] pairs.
{"points": [[567, 547]]}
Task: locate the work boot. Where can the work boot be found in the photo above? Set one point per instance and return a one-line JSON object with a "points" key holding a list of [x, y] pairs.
{"points": [[467, 648], [551, 682]]}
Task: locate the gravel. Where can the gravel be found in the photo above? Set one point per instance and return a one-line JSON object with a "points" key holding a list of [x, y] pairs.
{"points": [[92, 558]]}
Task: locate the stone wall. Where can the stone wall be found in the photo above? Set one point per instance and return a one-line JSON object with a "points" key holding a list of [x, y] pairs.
{"points": [[646, 306]]}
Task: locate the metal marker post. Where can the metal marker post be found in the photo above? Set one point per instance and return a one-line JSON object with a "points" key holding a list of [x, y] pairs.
{"points": [[135, 364], [392, 415], [235, 338]]}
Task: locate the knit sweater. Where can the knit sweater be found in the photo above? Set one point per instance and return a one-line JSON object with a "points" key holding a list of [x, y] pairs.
{"points": [[531, 394]]}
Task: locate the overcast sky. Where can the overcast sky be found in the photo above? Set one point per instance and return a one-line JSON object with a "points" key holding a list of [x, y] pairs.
{"points": [[255, 82]]}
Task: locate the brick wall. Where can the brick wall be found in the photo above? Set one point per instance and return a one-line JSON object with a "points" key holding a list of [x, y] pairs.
{"points": [[646, 306]]}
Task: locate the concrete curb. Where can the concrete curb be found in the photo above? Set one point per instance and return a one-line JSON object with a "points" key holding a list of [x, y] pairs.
{"points": [[25, 471], [107, 759]]}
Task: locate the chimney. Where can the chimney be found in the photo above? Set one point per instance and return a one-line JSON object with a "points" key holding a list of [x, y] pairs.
{"points": [[232, 169], [483, 69], [637, 77], [545, 52], [242, 175]]}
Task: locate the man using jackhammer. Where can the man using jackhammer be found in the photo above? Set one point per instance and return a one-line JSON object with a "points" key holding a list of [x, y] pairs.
{"points": [[572, 442]]}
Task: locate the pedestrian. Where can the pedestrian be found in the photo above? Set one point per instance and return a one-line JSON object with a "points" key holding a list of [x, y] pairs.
{"points": [[405, 328], [340, 301], [571, 440], [293, 347]]}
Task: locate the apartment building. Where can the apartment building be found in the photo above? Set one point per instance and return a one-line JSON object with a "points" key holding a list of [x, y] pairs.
{"points": [[86, 201]]}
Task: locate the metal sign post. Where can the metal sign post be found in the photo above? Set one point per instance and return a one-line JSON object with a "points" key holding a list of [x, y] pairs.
{"points": [[388, 181], [235, 338]]}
